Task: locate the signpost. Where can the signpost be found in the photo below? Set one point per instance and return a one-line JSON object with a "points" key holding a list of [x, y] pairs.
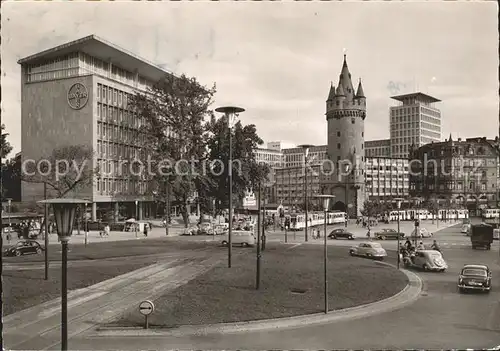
{"points": [[146, 308]]}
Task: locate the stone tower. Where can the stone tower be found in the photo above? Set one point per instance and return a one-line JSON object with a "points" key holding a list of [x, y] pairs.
{"points": [[345, 114]]}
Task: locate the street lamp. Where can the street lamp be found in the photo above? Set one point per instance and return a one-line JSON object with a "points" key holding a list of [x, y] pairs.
{"points": [[259, 255], [9, 202], [231, 113], [306, 148], [398, 202], [347, 169], [326, 205], [64, 214], [135, 224]]}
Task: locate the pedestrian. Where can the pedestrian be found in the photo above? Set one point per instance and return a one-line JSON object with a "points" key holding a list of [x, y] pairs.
{"points": [[146, 229]]}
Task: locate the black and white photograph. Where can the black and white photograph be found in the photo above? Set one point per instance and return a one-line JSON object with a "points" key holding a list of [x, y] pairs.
{"points": [[229, 175]]}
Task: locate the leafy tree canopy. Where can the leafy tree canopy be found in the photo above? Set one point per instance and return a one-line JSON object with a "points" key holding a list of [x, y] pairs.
{"points": [[6, 147], [67, 169]]}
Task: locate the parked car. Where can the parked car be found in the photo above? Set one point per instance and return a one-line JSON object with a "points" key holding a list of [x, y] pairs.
{"points": [[24, 247], [496, 234], [205, 228], [368, 250], [389, 234], [474, 277], [481, 236], [341, 233], [239, 237], [221, 229], [191, 230], [428, 260]]}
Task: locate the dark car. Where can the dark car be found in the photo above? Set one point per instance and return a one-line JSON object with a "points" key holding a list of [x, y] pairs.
{"points": [[389, 234], [341, 233], [475, 277], [24, 247]]}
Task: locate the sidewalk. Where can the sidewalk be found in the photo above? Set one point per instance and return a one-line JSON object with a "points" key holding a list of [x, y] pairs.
{"points": [[38, 327]]}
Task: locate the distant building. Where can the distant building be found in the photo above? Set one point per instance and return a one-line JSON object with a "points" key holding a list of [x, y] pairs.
{"points": [[378, 148], [290, 189], [386, 178], [416, 120], [77, 94], [464, 172], [294, 157]]}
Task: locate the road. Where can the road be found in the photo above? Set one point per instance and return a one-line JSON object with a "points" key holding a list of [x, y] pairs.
{"points": [[440, 318]]}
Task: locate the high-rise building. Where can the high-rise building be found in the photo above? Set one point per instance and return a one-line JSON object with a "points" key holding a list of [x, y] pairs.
{"points": [[77, 94], [414, 121], [345, 115], [387, 178], [378, 148]]}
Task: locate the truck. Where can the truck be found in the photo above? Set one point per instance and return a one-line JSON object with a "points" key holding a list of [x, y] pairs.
{"points": [[481, 236]]}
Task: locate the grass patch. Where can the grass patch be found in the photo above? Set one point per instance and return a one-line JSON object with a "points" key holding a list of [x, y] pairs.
{"points": [[291, 284], [27, 288]]}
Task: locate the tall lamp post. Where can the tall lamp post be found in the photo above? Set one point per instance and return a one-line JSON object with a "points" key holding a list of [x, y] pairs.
{"points": [[64, 214], [326, 205], [231, 113], [306, 148], [347, 169], [398, 203], [259, 255], [135, 217]]}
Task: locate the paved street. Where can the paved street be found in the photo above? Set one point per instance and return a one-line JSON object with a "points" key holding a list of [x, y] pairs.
{"points": [[440, 318]]}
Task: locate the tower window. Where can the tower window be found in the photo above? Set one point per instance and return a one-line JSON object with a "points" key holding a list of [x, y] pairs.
{"points": [[338, 134], [362, 134], [338, 146], [353, 120]]}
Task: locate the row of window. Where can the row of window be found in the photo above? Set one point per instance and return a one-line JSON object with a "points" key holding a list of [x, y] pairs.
{"points": [[430, 112], [125, 135], [110, 186], [117, 150], [120, 116], [455, 186], [430, 119], [431, 127], [63, 73]]}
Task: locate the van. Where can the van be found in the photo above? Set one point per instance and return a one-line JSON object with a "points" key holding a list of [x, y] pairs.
{"points": [[240, 237], [481, 236]]}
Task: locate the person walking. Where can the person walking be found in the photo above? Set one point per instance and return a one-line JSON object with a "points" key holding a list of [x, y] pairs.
{"points": [[146, 227]]}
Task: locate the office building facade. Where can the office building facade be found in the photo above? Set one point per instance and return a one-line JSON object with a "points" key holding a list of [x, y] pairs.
{"points": [[78, 94], [414, 121], [378, 148]]}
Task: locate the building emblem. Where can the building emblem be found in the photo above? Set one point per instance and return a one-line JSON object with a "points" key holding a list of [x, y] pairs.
{"points": [[78, 96]]}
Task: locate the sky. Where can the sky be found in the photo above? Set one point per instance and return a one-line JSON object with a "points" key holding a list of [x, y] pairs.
{"points": [[278, 59]]}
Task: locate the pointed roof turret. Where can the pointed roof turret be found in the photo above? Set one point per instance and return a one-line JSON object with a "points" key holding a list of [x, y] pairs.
{"points": [[450, 139], [360, 92], [345, 78], [340, 91], [331, 94]]}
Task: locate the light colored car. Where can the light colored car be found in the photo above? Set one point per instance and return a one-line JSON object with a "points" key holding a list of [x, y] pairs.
{"points": [[465, 228], [428, 260], [424, 233], [369, 250], [496, 234], [240, 237]]}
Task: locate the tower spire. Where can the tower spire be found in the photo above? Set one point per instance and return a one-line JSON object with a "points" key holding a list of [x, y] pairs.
{"points": [[360, 92]]}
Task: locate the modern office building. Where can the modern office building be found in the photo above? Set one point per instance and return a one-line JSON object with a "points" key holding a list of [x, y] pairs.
{"points": [[378, 148], [290, 187], [386, 178], [415, 120], [464, 172], [77, 94], [294, 157]]}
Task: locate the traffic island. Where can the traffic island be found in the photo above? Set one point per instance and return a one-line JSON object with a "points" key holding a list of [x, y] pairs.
{"points": [[291, 285]]}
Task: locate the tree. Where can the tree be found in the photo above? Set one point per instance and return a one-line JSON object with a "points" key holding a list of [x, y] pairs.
{"points": [[11, 179], [174, 111], [6, 147], [246, 172], [69, 169], [375, 208], [432, 205]]}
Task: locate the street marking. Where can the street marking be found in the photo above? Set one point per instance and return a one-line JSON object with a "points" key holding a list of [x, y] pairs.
{"points": [[294, 246], [146, 307]]}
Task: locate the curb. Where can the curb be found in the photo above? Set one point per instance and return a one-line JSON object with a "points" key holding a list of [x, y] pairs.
{"points": [[408, 295]]}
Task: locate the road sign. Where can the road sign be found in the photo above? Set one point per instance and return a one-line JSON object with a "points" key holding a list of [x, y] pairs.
{"points": [[146, 307]]}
